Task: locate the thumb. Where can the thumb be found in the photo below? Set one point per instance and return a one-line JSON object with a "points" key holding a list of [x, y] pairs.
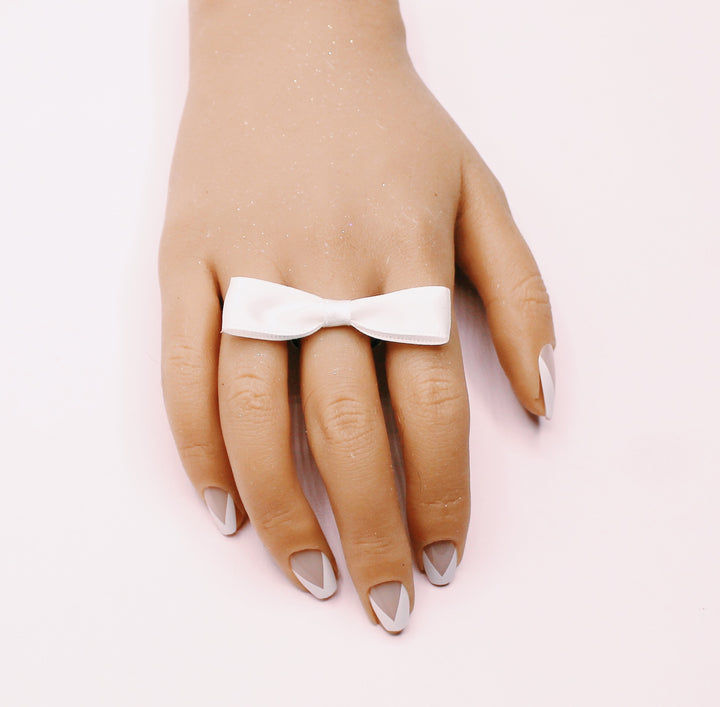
{"points": [[493, 254]]}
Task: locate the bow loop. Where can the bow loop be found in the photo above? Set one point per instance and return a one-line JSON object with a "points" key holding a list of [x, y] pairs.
{"points": [[259, 309]]}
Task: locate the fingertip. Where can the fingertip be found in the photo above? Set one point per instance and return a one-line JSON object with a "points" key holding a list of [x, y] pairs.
{"points": [[533, 380], [314, 570], [440, 561], [223, 510], [546, 366], [390, 602]]}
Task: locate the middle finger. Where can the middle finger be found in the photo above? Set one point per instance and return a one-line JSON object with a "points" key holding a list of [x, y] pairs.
{"points": [[347, 434]]}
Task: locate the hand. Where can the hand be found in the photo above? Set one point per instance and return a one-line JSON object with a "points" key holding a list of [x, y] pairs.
{"points": [[311, 154]]}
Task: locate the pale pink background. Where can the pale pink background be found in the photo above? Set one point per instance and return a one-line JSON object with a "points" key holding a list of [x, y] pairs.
{"points": [[591, 575]]}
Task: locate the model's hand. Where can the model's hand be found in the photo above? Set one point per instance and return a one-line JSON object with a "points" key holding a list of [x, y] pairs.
{"points": [[311, 154]]}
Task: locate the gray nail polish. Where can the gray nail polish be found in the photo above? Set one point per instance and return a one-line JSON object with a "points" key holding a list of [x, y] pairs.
{"points": [[546, 364], [222, 509], [440, 562], [314, 572], [391, 603]]}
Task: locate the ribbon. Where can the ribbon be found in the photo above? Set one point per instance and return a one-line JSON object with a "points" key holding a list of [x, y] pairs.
{"points": [[258, 309]]}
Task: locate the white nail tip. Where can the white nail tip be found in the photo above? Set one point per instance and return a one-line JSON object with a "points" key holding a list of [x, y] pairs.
{"points": [[329, 582], [546, 364], [393, 613], [440, 570], [222, 509]]}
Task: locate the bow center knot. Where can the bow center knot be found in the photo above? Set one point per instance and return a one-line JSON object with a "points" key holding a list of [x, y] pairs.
{"points": [[337, 312]]}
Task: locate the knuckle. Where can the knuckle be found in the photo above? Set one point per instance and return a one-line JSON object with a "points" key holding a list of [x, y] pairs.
{"points": [[273, 520], [196, 452], [373, 544], [521, 292], [530, 291], [344, 421], [438, 396], [251, 393], [445, 502], [183, 365]]}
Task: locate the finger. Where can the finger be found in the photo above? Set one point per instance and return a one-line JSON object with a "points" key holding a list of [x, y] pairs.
{"points": [[347, 435], [429, 397], [190, 341], [495, 257], [255, 415]]}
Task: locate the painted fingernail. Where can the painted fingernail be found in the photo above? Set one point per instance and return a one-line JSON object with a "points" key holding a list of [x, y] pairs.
{"points": [[391, 604], [222, 509], [440, 562], [546, 364], [314, 572]]}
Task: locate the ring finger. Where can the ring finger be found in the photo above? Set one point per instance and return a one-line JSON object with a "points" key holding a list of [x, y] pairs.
{"points": [[429, 397]]}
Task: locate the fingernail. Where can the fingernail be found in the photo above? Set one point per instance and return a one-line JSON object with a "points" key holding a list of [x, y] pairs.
{"points": [[222, 509], [314, 572], [391, 604], [546, 364], [440, 562]]}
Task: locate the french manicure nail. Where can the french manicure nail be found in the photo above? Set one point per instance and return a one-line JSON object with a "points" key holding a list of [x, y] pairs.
{"points": [[314, 572], [546, 364], [440, 562], [222, 509], [391, 604]]}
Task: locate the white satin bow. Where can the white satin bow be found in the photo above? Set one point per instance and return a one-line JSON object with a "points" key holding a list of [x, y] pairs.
{"points": [[258, 309]]}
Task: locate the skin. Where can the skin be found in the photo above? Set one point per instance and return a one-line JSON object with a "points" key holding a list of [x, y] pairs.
{"points": [[311, 154]]}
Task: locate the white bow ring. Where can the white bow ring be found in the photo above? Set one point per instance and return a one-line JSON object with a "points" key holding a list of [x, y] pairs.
{"points": [[258, 309]]}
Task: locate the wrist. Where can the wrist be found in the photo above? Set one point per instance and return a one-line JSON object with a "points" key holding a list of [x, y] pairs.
{"points": [[261, 39]]}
